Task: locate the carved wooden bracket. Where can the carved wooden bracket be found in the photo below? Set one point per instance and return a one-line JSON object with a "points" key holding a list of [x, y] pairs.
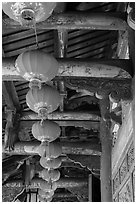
{"points": [[119, 89], [112, 116]]}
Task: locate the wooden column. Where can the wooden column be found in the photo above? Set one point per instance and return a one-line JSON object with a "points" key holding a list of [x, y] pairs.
{"points": [[90, 188], [106, 141]]}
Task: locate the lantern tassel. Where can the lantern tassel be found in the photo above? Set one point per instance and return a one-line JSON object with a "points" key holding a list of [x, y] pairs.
{"points": [[35, 83], [42, 113]]}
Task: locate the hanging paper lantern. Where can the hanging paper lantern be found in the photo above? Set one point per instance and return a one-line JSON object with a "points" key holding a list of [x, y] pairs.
{"points": [[46, 131], [45, 194], [28, 13], [47, 186], [50, 164], [51, 174], [43, 101], [48, 199], [51, 150], [36, 66]]}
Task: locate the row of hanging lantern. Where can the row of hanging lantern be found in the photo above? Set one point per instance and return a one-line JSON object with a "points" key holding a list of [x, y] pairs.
{"points": [[38, 67]]}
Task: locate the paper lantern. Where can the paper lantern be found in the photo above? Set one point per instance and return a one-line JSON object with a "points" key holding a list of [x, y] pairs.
{"points": [[46, 131], [45, 194], [43, 101], [28, 13], [50, 164], [48, 199], [46, 186], [51, 150], [36, 66], [52, 174]]}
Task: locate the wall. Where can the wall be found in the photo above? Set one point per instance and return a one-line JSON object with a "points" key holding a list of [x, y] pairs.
{"points": [[123, 161]]}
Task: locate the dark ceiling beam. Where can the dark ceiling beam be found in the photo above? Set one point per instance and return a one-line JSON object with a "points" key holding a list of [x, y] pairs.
{"points": [[84, 148], [77, 20], [71, 115], [10, 95], [117, 69], [7, 96], [61, 183], [95, 125]]}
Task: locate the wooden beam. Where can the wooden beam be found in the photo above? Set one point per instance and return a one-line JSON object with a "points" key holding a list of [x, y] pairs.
{"points": [[7, 96], [10, 95], [84, 148], [81, 115], [85, 124], [77, 20], [61, 183], [117, 69]]}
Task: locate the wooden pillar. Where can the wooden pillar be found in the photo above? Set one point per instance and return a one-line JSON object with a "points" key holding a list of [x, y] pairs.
{"points": [[90, 188], [106, 141]]}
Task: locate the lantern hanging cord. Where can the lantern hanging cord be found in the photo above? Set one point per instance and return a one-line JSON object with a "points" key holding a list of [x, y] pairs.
{"points": [[36, 36]]}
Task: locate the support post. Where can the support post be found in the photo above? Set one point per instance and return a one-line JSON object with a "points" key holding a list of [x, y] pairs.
{"points": [[106, 141], [90, 188]]}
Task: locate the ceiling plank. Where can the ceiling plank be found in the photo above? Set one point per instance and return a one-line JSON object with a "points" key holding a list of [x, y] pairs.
{"points": [[76, 20], [76, 68]]}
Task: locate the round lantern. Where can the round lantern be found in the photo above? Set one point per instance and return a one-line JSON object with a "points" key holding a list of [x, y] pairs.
{"points": [[36, 66], [43, 101], [28, 13], [52, 150], [46, 186], [52, 174], [42, 199], [46, 131], [45, 194], [50, 164]]}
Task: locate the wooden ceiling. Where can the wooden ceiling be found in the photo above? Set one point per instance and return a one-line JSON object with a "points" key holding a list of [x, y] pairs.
{"points": [[79, 113]]}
